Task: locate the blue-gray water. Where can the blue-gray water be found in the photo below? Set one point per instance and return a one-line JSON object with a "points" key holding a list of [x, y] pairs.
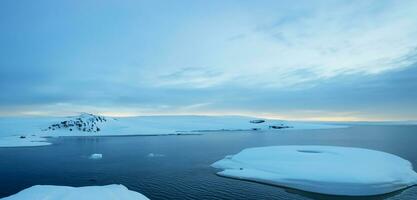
{"points": [[184, 171]]}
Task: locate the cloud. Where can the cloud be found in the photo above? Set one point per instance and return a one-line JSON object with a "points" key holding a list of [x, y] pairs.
{"points": [[292, 44], [332, 40], [264, 57], [190, 77], [236, 37]]}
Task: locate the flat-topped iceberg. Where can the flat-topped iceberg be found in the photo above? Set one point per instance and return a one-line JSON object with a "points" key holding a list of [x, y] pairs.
{"points": [[321, 169], [107, 192]]}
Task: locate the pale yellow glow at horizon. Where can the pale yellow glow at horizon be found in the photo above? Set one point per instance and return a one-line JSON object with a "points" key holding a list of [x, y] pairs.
{"points": [[295, 115], [266, 116]]}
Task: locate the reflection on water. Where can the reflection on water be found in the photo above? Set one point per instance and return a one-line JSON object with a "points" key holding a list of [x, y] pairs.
{"points": [[178, 167]]}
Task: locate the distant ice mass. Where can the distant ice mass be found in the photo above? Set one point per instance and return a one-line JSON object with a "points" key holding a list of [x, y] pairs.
{"points": [[31, 131], [107, 192], [321, 169], [96, 156]]}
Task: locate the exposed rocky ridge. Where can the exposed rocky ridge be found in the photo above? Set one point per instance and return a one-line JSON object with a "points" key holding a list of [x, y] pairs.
{"points": [[85, 122]]}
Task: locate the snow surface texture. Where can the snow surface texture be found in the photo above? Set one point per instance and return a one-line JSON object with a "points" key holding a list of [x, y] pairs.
{"points": [[50, 192], [30, 131], [321, 169]]}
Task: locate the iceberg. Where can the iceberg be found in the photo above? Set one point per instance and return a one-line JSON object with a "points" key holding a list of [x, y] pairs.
{"points": [[321, 169], [96, 156], [107, 192]]}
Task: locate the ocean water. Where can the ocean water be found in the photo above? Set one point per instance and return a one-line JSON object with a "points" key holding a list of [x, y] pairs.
{"points": [[178, 167]]}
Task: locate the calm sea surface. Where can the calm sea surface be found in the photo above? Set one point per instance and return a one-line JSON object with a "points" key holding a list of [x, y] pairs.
{"points": [[180, 167]]}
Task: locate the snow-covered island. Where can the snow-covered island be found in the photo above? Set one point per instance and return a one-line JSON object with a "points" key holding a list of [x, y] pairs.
{"points": [[321, 169], [31, 131], [107, 192]]}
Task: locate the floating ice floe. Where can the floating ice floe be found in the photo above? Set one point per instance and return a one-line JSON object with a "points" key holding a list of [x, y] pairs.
{"points": [[96, 156], [107, 192], [321, 169], [151, 155]]}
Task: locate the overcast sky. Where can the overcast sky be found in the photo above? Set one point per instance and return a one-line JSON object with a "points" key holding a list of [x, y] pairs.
{"points": [[322, 60]]}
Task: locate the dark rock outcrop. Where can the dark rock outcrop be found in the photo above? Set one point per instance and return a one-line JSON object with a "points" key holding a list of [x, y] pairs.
{"points": [[85, 122]]}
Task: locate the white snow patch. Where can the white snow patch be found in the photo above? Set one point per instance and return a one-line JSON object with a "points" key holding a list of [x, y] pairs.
{"points": [[321, 169], [96, 156], [107, 192]]}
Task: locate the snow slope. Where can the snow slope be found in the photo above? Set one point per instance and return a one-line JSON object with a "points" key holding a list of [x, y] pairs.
{"points": [[31, 131], [108, 192], [321, 169]]}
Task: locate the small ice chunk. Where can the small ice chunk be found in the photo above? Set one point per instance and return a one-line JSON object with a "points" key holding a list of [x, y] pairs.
{"points": [[321, 169], [151, 155], [96, 156]]}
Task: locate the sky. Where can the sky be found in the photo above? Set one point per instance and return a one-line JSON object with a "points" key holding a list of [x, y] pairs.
{"points": [[304, 60]]}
